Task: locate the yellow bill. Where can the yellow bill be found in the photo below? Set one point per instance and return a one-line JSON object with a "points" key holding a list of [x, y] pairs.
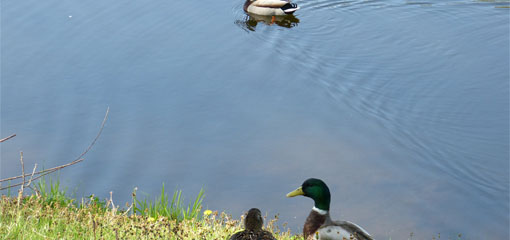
{"points": [[296, 192]]}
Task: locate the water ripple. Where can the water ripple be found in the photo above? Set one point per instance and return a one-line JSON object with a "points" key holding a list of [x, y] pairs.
{"points": [[373, 78]]}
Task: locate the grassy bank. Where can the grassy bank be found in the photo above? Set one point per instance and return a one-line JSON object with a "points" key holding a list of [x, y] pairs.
{"points": [[49, 213]]}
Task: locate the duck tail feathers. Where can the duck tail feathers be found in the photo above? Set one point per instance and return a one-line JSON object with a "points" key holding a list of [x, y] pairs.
{"points": [[290, 8]]}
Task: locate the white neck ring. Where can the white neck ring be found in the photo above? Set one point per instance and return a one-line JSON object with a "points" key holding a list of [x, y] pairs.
{"points": [[319, 211]]}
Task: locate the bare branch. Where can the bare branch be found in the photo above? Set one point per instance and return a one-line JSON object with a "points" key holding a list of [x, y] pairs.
{"points": [[7, 138], [31, 176], [45, 172], [51, 170], [22, 172], [98, 134]]}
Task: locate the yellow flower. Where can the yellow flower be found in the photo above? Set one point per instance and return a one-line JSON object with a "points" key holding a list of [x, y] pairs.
{"points": [[151, 219], [207, 212]]}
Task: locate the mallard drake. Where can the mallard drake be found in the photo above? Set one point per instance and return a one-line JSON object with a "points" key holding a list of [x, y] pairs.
{"points": [[318, 224], [253, 228], [270, 7]]}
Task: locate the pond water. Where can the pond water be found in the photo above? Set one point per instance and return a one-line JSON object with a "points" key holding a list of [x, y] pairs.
{"points": [[401, 107]]}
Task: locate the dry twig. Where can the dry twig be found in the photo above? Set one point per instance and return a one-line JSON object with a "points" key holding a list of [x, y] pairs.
{"points": [[22, 171], [47, 171], [31, 176], [7, 138], [51, 170]]}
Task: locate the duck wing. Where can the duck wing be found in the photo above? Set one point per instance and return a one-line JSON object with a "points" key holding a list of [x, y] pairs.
{"points": [[265, 235], [270, 3], [354, 229], [252, 235]]}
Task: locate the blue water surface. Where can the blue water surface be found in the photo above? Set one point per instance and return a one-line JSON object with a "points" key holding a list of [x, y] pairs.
{"points": [[402, 107]]}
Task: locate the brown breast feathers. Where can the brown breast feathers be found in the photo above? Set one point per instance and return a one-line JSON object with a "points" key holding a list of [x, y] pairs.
{"points": [[312, 223]]}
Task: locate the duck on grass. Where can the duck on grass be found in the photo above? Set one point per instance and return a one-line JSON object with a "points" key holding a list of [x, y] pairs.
{"points": [[318, 224], [253, 228]]}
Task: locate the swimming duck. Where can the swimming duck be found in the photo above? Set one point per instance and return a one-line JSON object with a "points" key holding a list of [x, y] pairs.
{"points": [[318, 224], [270, 7], [253, 228]]}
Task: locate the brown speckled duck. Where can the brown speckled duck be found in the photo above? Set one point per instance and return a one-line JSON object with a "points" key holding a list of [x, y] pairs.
{"points": [[318, 224], [270, 7], [253, 228]]}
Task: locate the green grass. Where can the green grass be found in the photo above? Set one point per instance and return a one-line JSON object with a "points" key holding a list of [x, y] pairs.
{"points": [[174, 210], [51, 193], [50, 213]]}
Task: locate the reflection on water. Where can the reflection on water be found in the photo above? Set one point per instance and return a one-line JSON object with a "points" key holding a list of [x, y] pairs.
{"points": [[251, 20], [400, 106]]}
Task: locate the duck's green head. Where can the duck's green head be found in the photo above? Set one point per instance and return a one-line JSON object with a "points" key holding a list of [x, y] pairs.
{"points": [[315, 189]]}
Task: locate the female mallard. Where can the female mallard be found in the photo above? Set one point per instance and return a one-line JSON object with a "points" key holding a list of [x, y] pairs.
{"points": [[270, 7], [253, 228], [318, 224]]}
